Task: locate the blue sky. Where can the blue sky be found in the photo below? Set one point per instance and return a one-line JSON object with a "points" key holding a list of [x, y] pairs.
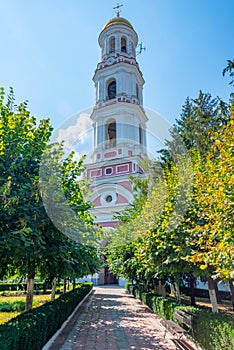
{"points": [[49, 51]]}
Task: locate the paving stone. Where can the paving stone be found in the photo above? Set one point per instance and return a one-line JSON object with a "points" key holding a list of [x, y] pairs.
{"points": [[113, 320]]}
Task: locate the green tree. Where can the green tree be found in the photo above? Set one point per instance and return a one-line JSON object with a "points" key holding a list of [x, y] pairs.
{"points": [[200, 117], [230, 70], [28, 237]]}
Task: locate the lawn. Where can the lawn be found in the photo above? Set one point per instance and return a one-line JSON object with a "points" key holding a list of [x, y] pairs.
{"points": [[37, 301]]}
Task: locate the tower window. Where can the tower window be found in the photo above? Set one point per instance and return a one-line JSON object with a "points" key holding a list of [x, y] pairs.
{"points": [[137, 91], [111, 89], [112, 44], [111, 133], [140, 135], [123, 45], [133, 48]]}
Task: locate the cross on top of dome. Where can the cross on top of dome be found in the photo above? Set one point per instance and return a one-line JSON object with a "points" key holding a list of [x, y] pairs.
{"points": [[117, 7]]}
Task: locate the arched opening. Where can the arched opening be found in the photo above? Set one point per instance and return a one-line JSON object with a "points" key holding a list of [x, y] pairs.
{"points": [[111, 133], [140, 135], [133, 49], [111, 89], [112, 44], [123, 44], [137, 91]]}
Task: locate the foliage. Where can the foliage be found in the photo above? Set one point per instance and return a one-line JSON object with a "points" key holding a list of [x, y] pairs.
{"points": [[214, 331], [30, 242], [211, 331], [162, 306], [211, 237], [31, 330], [200, 118], [181, 223], [15, 306], [230, 69]]}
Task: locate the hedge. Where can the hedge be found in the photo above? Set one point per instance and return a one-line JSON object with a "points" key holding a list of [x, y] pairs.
{"points": [[214, 331], [38, 286], [23, 286], [31, 330], [211, 330]]}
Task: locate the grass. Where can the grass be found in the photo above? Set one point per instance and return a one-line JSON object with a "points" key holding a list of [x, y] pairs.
{"points": [[37, 301]]}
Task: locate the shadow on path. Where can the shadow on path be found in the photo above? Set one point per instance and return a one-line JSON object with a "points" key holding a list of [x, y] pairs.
{"points": [[112, 320]]}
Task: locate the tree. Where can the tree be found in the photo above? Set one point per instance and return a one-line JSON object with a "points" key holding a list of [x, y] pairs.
{"points": [[229, 69], [22, 143], [200, 117], [213, 233], [28, 237]]}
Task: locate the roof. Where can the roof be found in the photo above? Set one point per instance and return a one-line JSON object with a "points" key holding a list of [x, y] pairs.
{"points": [[118, 20]]}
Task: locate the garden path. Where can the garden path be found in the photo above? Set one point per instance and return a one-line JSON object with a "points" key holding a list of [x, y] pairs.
{"points": [[111, 319]]}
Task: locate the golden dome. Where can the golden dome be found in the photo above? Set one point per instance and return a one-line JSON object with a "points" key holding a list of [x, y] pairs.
{"points": [[117, 20]]}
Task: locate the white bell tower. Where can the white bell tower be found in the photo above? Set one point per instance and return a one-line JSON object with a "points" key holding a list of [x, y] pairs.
{"points": [[119, 121]]}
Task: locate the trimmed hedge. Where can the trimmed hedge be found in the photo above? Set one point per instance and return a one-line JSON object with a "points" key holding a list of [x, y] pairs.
{"points": [[38, 286], [31, 330], [214, 331], [23, 286], [164, 307], [211, 330]]}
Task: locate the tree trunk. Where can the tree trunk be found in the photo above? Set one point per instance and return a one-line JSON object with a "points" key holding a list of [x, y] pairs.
{"points": [[29, 292], [177, 289], [232, 292], [219, 300], [213, 299], [52, 296], [161, 288], [64, 285], [192, 283], [172, 287], [155, 285], [74, 283]]}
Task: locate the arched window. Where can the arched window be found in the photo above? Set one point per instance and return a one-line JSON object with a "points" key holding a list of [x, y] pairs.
{"points": [[112, 44], [133, 49], [111, 89], [140, 135], [123, 45], [137, 91], [111, 133]]}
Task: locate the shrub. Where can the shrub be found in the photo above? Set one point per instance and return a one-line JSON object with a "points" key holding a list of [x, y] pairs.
{"points": [[31, 330], [212, 331], [12, 306]]}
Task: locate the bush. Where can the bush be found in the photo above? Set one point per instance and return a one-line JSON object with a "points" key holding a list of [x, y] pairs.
{"points": [[31, 330], [212, 331], [12, 306]]}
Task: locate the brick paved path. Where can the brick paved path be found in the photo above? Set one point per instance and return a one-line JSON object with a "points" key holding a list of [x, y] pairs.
{"points": [[110, 319]]}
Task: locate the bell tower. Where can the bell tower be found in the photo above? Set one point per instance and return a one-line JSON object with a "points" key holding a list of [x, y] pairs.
{"points": [[119, 121]]}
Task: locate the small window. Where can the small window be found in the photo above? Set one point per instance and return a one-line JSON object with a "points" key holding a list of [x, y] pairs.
{"points": [[112, 44], [111, 89], [123, 45], [109, 198]]}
